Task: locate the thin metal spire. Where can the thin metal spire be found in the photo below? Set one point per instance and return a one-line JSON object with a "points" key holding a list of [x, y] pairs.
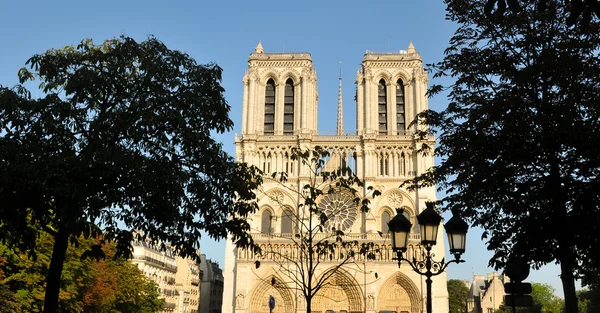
{"points": [[340, 119]]}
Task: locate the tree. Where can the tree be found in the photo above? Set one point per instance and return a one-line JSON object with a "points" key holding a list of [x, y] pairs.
{"points": [[120, 140], [580, 11], [119, 286], [589, 300], [516, 138], [91, 286], [317, 235], [8, 301], [544, 301], [457, 296]]}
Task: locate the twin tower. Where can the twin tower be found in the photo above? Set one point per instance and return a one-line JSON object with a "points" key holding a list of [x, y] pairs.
{"points": [[280, 105], [280, 94]]}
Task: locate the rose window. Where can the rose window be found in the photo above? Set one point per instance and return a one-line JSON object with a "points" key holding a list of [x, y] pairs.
{"points": [[340, 211]]}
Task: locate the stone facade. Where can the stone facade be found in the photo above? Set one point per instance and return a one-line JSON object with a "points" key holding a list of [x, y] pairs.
{"points": [[178, 279], [280, 113], [211, 290], [486, 294], [187, 280], [161, 267]]}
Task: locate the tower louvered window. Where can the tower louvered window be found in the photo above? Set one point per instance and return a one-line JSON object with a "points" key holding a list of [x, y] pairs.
{"points": [[382, 104], [400, 122], [270, 108], [288, 108]]}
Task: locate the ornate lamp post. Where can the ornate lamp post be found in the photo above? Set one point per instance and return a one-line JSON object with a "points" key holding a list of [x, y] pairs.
{"points": [[429, 221]]}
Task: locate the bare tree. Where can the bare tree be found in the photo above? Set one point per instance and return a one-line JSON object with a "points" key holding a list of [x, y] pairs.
{"points": [[318, 224]]}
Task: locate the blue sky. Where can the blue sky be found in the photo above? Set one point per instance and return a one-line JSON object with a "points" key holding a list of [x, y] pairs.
{"points": [[226, 32]]}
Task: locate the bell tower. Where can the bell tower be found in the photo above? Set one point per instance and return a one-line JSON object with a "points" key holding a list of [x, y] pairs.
{"points": [[391, 91], [280, 94]]}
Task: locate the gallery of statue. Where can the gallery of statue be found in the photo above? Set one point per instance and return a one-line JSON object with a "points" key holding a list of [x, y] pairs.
{"points": [[279, 114]]}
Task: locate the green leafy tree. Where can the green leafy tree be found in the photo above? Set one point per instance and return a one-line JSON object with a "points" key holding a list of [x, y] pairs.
{"points": [[516, 140], [320, 248], [120, 140], [589, 300], [26, 276], [544, 301], [119, 286], [94, 286], [457, 296], [8, 300]]}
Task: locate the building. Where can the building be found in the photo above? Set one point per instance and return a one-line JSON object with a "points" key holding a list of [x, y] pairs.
{"points": [[280, 113], [187, 281], [486, 294], [161, 267], [211, 291]]}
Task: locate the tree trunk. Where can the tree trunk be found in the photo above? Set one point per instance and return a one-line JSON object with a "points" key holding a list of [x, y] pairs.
{"points": [[566, 242], [61, 243], [568, 279], [308, 301]]}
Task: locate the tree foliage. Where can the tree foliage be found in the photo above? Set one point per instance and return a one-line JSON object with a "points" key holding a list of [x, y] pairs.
{"points": [[544, 301], [580, 11], [589, 300], [90, 286], [517, 138], [320, 242], [457, 296], [120, 137]]}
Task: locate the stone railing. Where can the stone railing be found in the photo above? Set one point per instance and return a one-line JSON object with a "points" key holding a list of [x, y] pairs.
{"points": [[283, 237], [282, 250], [155, 262]]}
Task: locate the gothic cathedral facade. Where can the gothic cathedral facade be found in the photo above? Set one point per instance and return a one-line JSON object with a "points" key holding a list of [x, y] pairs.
{"points": [[280, 113]]}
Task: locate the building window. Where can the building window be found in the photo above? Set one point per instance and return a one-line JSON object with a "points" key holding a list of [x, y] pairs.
{"points": [[413, 220], [384, 164], [265, 225], [400, 122], [382, 104], [402, 165], [270, 108], [288, 108], [385, 219], [286, 221]]}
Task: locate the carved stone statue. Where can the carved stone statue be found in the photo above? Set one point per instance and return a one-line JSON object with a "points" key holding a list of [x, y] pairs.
{"points": [[239, 301], [371, 302]]}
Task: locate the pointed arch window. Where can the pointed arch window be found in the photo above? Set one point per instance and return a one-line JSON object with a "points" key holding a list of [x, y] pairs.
{"points": [[382, 107], [400, 117], [286, 222], [402, 164], [270, 108], [288, 108], [265, 222], [385, 219]]}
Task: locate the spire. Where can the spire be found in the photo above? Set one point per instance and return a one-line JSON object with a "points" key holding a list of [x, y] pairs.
{"points": [[340, 118], [411, 48], [259, 48]]}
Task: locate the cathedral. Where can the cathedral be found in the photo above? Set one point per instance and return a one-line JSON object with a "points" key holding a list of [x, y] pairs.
{"points": [[280, 105]]}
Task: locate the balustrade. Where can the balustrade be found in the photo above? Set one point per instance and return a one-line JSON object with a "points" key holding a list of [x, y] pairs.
{"points": [[280, 251]]}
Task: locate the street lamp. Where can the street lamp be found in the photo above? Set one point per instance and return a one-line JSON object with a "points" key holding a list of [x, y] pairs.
{"points": [[429, 222]]}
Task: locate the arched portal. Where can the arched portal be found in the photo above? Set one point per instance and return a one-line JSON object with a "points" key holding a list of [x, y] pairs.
{"points": [[399, 294], [340, 293], [284, 299]]}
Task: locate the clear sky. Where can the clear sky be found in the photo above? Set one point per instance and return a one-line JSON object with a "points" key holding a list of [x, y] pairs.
{"points": [[226, 32]]}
